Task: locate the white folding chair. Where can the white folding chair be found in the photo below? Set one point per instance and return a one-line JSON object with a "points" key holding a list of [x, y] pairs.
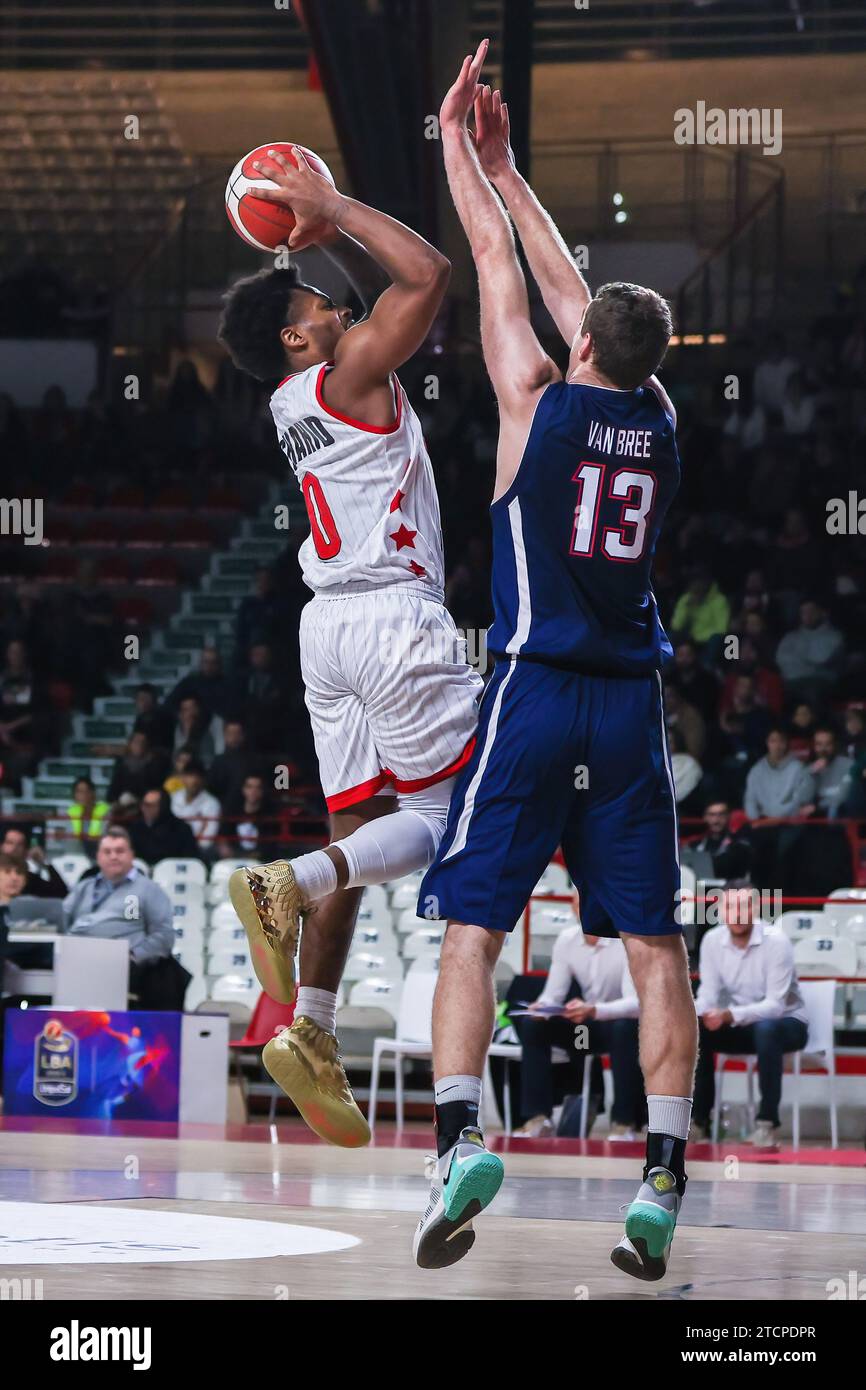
{"points": [[511, 1052], [819, 997], [413, 1037]]}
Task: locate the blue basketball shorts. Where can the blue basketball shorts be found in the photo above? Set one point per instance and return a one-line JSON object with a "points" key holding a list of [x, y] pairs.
{"points": [[571, 760]]}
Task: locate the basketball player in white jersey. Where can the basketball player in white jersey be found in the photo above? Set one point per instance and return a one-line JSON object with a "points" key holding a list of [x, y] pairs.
{"points": [[392, 702]]}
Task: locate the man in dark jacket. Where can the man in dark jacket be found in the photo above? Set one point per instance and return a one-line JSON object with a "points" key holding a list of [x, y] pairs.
{"points": [[43, 880], [157, 834]]}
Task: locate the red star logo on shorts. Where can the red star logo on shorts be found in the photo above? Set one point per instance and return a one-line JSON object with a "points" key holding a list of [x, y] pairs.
{"points": [[416, 568], [404, 537], [396, 501]]}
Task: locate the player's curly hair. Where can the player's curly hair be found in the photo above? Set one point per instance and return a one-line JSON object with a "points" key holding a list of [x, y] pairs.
{"points": [[254, 312], [630, 328]]}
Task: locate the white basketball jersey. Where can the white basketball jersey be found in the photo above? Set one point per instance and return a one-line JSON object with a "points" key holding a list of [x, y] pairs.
{"points": [[369, 492]]}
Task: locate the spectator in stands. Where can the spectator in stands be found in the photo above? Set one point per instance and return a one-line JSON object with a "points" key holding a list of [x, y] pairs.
{"points": [[685, 719], [730, 851], [197, 807], [748, 1001], [702, 612], [768, 688], [229, 768], [251, 824], [208, 685], [798, 406], [43, 880], [747, 421], [744, 723], [698, 686], [13, 877], [151, 718], [778, 786], [772, 374], [262, 697], [158, 834], [830, 772], [190, 409], [687, 773], [796, 565], [607, 1006], [801, 730], [258, 617], [854, 740], [192, 729], [138, 768], [179, 764], [18, 699], [122, 902], [87, 813], [812, 656]]}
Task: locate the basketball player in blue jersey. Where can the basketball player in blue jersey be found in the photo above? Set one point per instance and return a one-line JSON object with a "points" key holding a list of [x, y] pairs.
{"points": [[571, 746]]}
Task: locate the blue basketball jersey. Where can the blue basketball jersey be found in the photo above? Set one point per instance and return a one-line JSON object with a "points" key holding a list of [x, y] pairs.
{"points": [[575, 534]]}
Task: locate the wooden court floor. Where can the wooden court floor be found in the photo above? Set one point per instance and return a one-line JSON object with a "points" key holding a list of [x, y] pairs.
{"points": [[133, 1216]]}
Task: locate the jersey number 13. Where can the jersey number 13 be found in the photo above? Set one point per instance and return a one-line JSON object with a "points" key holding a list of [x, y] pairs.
{"points": [[626, 541]]}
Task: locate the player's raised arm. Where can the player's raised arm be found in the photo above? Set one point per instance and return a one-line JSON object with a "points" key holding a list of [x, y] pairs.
{"points": [[403, 313], [365, 275], [517, 364], [563, 288]]}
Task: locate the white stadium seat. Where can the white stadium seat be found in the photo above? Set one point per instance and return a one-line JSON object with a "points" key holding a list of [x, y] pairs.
{"points": [[370, 938], [426, 942], [374, 910], [235, 989], [549, 919], [218, 887], [409, 921], [223, 915], [801, 925], [378, 992], [404, 892], [70, 867], [230, 960], [170, 871], [364, 963], [825, 955]]}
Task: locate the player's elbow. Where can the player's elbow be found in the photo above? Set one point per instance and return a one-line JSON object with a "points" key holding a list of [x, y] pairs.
{"points": [[436, 272]]}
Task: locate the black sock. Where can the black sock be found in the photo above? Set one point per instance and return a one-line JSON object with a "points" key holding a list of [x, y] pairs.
{"points": [[451, 1118], [664, 1151]]}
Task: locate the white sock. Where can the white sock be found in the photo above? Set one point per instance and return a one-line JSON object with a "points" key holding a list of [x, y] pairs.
{"points": [[398, 844], [315, 874], [449, 1088], [670, 1115], [318, 1004]]}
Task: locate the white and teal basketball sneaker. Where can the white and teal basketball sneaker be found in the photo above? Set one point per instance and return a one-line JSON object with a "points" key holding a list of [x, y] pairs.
{"points": [[467, 1179], [650, 1223]]}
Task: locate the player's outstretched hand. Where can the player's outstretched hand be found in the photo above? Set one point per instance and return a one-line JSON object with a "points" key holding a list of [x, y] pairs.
{"points": [[493, 134], [312, 198], [459, 99]]}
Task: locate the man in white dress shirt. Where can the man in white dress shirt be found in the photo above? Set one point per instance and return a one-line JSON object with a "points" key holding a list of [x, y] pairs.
{"points": [[749, 1001], [607, 1006]]}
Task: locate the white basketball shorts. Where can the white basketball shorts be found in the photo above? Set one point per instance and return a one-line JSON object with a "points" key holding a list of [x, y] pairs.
{"points": [[392, 700]]}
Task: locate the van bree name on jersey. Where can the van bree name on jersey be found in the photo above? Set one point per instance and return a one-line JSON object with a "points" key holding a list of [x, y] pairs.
{"points": [[303, 438], [635, 444]]}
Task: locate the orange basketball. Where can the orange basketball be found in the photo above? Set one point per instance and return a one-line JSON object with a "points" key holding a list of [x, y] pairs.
{"points": [[263, 224]]}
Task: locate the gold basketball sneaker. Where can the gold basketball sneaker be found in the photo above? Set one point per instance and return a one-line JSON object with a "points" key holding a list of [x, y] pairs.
{"points": [[305, 1063], [268, 901]]}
